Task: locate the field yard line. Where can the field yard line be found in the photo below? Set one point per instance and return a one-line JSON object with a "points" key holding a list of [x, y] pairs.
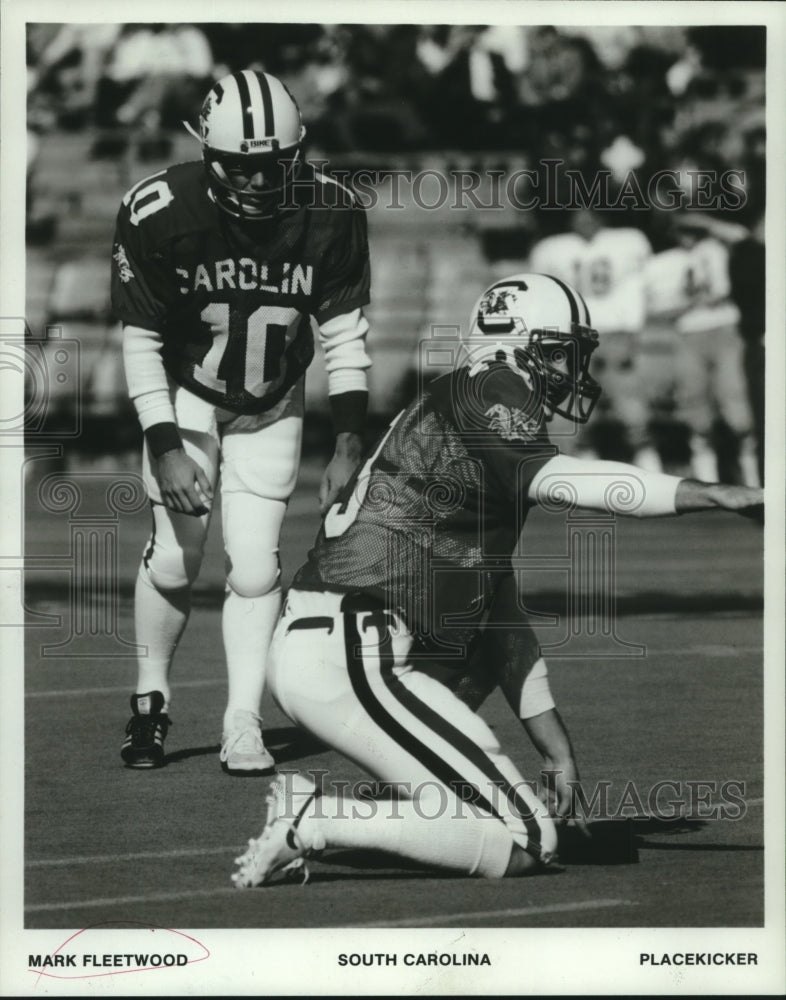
{"points": [[440, 918], [521, 911], [97, 859], [207, 682], [157, 897]]}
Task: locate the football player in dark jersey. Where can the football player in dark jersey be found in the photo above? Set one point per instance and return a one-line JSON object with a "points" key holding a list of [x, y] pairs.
{"points": [[411, 575], [219, 267]]}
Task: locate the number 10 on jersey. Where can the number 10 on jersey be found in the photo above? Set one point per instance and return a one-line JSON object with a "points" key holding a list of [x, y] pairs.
{"points": [[247, 351]]}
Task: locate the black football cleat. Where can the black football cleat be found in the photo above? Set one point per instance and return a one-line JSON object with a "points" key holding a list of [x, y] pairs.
{"points": [[146, 731]]}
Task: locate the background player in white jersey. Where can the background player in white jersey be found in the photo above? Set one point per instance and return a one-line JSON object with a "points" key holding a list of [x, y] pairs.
{"points": [[691, 283], [411, 577], [605, 265], [219, 267]]}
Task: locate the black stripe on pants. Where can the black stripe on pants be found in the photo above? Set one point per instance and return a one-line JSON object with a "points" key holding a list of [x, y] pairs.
{"points": [[427, 756]]}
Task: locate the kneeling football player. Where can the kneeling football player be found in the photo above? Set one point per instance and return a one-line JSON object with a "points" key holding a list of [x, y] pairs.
{"points": [[411, 575]]}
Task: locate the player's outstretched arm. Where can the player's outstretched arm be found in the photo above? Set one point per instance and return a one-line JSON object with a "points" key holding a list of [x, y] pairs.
{"points": [[618, 488], [693, 495]]}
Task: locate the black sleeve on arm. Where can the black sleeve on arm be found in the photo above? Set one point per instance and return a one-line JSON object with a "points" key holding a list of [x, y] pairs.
{"points": [[348, 410]]}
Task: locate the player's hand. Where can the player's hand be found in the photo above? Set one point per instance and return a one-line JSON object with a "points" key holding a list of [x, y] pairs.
{"points": [[349, 451], [694, 495], [183, 484], [560, 781], [745, 500]]}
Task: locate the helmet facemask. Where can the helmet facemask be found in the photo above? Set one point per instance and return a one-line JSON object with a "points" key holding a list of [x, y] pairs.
{"points": [[253, 186], [560, 362]]}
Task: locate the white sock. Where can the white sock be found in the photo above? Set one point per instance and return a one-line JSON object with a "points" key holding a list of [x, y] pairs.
{"points": [[247, 624], [160, 617], [428, 832]]}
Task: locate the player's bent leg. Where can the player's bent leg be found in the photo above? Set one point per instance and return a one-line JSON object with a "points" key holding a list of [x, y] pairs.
{"points": [[302, 822], [170, 564], [162, 602], [251, 525], [173, 555], [260, 456], [467, 810]]}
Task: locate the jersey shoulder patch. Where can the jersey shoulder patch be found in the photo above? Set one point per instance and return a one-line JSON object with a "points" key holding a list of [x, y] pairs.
{"points": [[513, 423]]}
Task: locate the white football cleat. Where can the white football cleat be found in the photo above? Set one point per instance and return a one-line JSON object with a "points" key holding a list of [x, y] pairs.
{"points": [[280, 846], [242, 748]]}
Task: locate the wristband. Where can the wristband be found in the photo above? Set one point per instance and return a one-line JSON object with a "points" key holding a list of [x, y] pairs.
{"points": [[163, 437], [349, 411]]}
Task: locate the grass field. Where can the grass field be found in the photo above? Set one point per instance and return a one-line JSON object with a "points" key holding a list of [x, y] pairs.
{"points": [[106, 843]]}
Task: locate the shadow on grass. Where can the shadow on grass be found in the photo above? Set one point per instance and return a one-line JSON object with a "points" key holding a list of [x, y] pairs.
{"points": [[618, 841], [286, 743]]}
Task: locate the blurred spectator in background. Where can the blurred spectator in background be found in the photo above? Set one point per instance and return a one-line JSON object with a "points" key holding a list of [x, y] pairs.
{"points": [[471, 94], [606, 265], [380, 99], [66, 66], [153, 78], [563, 87]]}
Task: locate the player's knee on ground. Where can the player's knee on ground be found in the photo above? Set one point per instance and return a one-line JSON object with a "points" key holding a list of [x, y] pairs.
{"points": [[174, 553], [502, 855], [253, 573]]}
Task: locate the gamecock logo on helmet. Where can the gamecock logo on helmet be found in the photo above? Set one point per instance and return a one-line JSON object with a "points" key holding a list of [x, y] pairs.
{"points": [[495, 303]]}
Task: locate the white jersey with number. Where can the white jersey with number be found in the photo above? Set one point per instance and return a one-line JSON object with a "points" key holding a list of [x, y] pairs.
{"points": [[691, 286], [607, 270]]}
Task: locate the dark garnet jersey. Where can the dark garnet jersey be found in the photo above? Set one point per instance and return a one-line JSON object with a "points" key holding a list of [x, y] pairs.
{"points": [[232, 301], [429, 523]]}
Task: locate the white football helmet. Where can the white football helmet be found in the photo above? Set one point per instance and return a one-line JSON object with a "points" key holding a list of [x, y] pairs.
{"points": [[540, 326], [251, 136]]}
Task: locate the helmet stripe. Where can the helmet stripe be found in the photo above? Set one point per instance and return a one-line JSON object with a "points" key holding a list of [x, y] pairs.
{"points": [[574, 306], [245, 104], [586, 321], [267, 104]]}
